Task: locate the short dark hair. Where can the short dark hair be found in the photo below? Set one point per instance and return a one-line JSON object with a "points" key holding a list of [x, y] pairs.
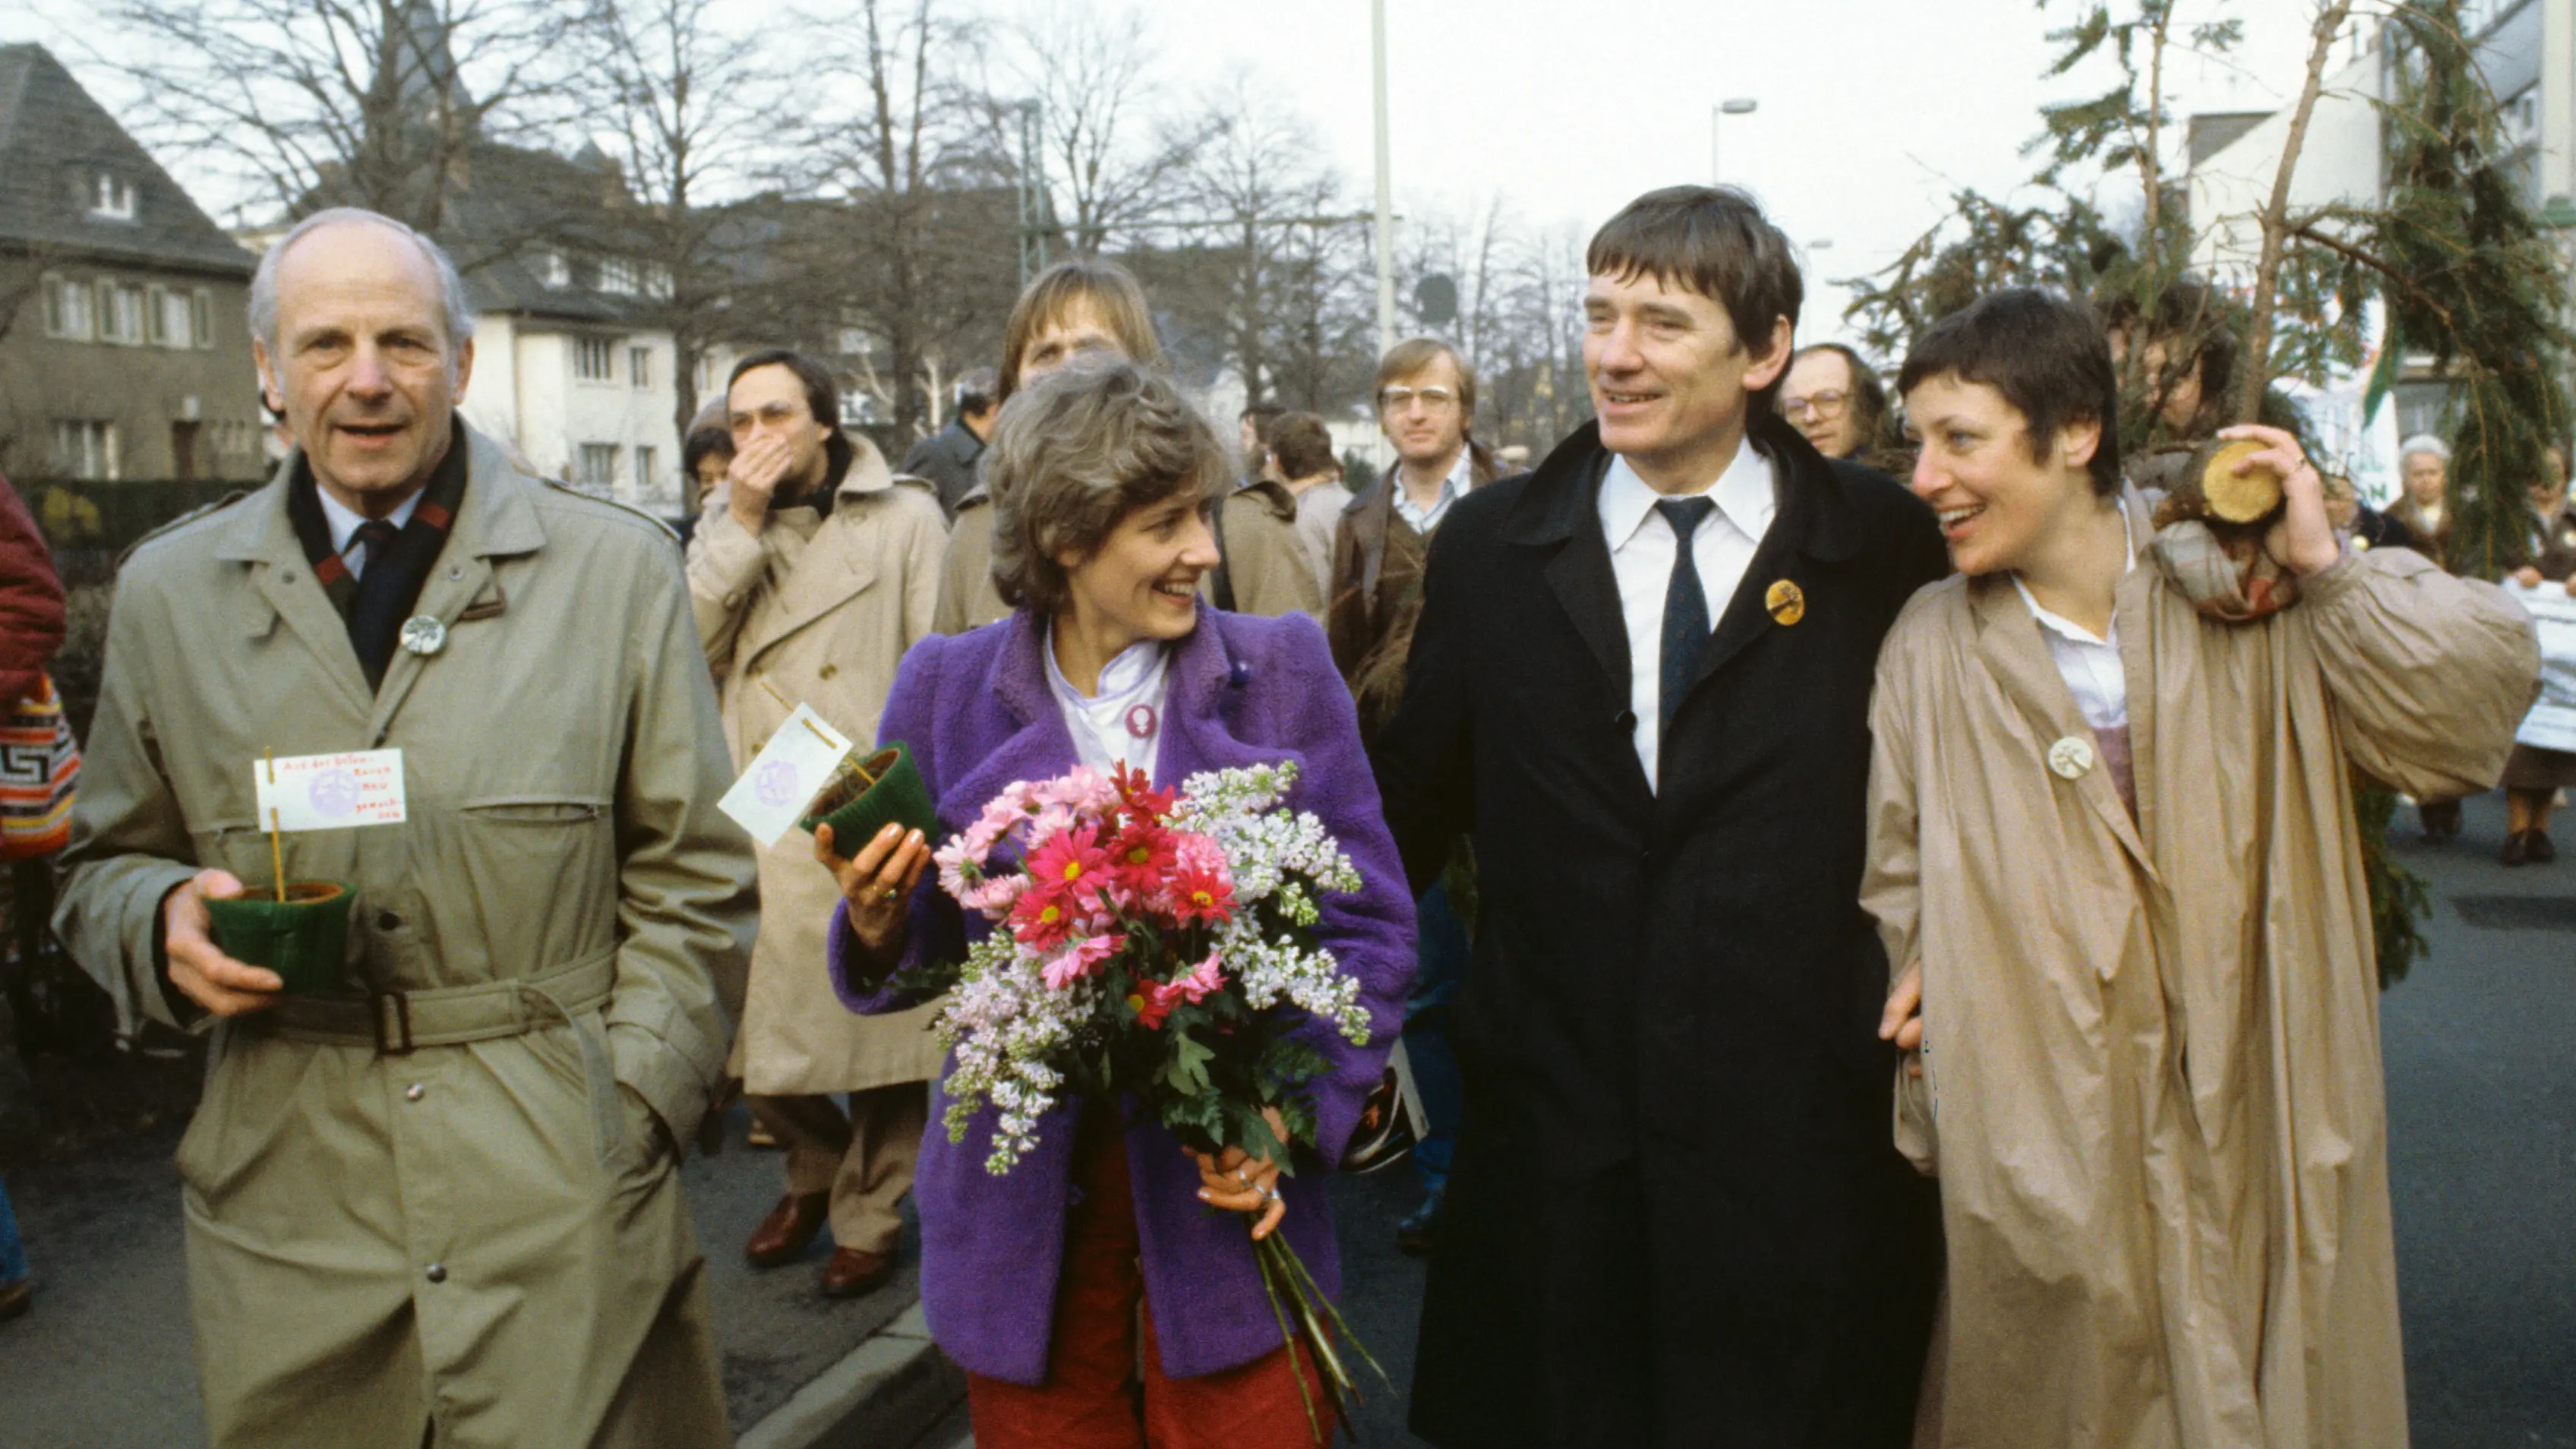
{"points": [[1264, 416], [1868, 402], [822, 399], [704, 443], [2048, 357], [1712, 240], [2191, 311], [1303, 446], [979, 391]]}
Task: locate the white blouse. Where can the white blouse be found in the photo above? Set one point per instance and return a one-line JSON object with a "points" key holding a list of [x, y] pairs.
{"points": [[1123, 723]]}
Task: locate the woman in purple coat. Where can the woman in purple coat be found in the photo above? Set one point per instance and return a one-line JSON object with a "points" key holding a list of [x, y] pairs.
{"points": [[1102, 477]]}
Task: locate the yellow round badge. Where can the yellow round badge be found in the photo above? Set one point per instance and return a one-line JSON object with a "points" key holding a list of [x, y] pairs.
{"points": [[1786, 603]]}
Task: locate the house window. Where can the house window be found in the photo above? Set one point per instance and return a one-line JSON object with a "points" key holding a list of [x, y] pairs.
{"points": [[617, 274], [172, 317], [68, 310], [639, 368], [552, 270], [598, 466], [594, 359], [121, 308], [201, 315], [111, 197], [644, 463], [85, 449]]}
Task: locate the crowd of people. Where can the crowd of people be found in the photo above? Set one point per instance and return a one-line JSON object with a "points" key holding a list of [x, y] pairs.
{"points": [[1810, 903]]}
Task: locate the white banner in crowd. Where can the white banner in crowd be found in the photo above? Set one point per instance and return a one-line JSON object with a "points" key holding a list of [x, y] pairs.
{"points": [[2551, 725]]}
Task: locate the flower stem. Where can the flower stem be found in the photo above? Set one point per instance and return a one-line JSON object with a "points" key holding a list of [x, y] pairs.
{"points": [[1288, 1336]]}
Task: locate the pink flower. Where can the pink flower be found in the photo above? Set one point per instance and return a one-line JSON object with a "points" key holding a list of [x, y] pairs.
{"points": [[1082, 960], [1202, 980]]}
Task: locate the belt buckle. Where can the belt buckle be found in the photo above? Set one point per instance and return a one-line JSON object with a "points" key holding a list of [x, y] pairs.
{"points": [[402, 1018]]}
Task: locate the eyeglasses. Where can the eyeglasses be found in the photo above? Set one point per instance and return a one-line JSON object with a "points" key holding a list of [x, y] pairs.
{"points": [[1397, 399], [1824, 405]]}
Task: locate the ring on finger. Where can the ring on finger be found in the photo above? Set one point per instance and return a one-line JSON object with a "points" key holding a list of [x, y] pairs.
{"points": [[1268, 1194]]}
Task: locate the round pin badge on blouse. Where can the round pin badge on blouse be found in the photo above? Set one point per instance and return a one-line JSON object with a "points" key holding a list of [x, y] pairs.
{"points": [[1142, 722], [2071, 758], [422, 634], [1785, 601]]}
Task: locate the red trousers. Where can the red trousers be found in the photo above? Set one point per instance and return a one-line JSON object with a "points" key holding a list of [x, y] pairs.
{"points": [[1095, 1397]]}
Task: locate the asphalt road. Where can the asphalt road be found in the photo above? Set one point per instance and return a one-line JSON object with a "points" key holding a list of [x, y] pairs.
{"points": [[105, 1359]]}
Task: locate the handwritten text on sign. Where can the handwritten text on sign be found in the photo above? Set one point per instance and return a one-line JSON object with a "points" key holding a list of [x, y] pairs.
{"points": [[330, 792], [785, 776]]}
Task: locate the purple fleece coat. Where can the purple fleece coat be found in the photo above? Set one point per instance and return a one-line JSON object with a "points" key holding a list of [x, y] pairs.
{"points": [[978, 714]]}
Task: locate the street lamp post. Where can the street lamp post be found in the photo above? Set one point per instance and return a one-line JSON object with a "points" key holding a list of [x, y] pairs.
{"points": [[1740, 106], [1385, 192]]}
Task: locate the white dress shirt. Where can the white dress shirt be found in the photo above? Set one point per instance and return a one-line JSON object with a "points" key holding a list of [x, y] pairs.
{"points": [[1641, 558], [344, 520], [1461, 477], [1123, 723], [2089, 664]]}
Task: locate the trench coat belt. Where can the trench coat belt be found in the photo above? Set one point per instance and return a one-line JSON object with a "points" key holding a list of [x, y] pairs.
{"points": [[397, 1022]]}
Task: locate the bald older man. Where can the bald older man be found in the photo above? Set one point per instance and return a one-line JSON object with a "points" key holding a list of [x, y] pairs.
{"points": [[435, 1203]]}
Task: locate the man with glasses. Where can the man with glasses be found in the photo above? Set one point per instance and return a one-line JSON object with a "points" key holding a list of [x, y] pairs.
{"points": [[1834, 398], [1426, 404]]}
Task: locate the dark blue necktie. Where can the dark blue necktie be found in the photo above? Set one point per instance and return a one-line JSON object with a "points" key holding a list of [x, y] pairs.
{"points": [[1686, 623], [378, 535], [375, 611]]}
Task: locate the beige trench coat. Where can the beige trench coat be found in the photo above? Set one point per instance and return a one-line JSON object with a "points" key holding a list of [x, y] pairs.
{"points": [[2152, 1091], [492, 1224], [821, 610], [1273, 574]]}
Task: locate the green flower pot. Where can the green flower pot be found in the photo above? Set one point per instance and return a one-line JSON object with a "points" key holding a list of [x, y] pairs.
{"points": [[857, 810], [302, 938]]}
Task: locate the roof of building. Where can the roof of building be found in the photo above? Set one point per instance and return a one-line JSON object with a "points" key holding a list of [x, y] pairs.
{"points": [[55, 142]]}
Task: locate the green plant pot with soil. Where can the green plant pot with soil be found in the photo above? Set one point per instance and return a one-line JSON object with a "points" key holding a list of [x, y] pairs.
{"points": [[868, 795], [302, 938]]}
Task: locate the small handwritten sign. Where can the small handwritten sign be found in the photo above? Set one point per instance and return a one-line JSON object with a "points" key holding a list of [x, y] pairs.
{"points": [[330, 792], [787, 773]]}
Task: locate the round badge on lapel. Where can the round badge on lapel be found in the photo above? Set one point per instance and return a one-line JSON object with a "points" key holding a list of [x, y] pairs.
{"points": [[423, 635], [1785, 602], [2071, 758]]}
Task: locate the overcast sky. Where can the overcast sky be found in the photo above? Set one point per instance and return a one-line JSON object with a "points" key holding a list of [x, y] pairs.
{"points": [[1870, 111]]}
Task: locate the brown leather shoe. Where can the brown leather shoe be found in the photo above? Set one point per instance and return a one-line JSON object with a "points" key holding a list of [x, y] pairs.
{"points": [[852, 1273], [788, 1231], [14, 1299]]}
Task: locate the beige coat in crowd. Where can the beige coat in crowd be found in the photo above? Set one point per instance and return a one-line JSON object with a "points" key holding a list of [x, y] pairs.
{"points": [[820, 610], [2152, 1089], [488, 1222], [967, 598]]}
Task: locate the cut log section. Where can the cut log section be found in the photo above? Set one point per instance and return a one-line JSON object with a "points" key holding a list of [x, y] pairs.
{"points": [[2226, 495]]}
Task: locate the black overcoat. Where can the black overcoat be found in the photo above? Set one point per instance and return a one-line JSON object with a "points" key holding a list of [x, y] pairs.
{"points": [[1676, 1216]]}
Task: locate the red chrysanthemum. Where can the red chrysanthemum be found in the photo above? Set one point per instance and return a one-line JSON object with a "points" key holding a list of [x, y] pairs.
{"points": [[1140, 857], [1199, 892], [1042, 920], [1137, 797]]}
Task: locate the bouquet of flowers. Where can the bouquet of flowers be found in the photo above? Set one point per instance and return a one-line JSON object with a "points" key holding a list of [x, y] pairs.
{"points": [[1160, 947]]}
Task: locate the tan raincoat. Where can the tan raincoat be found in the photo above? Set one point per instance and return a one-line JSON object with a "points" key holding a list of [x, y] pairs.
{"points": [[821, 610], [2152, 1091], [487, 1227]]}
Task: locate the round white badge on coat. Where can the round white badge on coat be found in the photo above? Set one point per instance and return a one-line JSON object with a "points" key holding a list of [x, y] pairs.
{"points": [[2071, 758], [424, 635]]}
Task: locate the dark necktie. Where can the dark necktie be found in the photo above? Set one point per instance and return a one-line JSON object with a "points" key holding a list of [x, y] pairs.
{"points": [[1686, 623], [378, 536], [374, 610]]}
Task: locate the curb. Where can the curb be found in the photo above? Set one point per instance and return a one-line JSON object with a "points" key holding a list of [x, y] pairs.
{"points": [[884, 1394]]}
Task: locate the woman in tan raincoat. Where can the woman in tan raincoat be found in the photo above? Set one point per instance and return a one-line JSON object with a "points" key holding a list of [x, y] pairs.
{"points": [[2112, 839], [817, 608]]}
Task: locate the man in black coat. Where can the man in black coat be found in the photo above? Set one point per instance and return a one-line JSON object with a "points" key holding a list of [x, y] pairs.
{"points": [[1676, 1216], [947, 458]]}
